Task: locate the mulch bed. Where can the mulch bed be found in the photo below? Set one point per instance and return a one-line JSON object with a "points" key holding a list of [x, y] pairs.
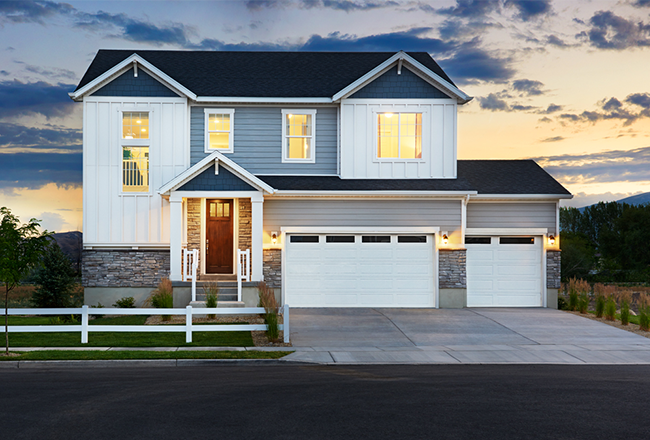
{"points": [[633, 328], [259, 337]]}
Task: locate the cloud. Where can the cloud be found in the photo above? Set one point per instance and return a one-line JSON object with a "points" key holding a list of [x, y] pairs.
{"points": [[471, 62], [51, 221], [52, 72], [4, 73], [18, 98], [610, 31], [603, 167], [31, 11], [493, 103], [528, 87], [19, 137], [552, 108], [337, 5], [35, 170], [553, 139], [526, 10], [530, 9], [641, 3], [614, 109], [583, 199]]}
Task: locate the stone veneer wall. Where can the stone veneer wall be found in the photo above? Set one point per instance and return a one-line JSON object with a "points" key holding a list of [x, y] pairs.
{"points": [[272, 268], [194, 227], [124, 268], [553, 269], [245, 225], [452, 268]]}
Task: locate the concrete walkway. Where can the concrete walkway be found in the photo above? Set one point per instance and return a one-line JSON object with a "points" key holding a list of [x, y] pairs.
{"points": [[467, 336]]}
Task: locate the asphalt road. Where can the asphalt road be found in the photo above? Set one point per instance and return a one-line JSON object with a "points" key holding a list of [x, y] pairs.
{"points": [[327, 402]]}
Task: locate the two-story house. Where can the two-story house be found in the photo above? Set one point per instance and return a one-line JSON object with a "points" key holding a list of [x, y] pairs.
{"points": [[338, 171]]}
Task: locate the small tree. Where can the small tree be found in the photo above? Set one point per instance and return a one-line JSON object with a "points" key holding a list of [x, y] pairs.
{"points": [[21, 248], [55, 279]]}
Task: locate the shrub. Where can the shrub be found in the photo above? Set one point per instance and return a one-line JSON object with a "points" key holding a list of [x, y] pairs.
{"points": [[600, 294], [55, 279], [162, 297], [128, 302], [270, 304], [644, 311], [211, 291], [625, 297]]}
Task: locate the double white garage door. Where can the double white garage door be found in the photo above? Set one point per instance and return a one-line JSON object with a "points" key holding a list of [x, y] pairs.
{"points": [[392, 270], [333, 270]]}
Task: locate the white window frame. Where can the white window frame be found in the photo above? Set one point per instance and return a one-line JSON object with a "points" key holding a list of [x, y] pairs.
{"points": [[206, 132], [375, 113], [311, 112], [134, 143]]}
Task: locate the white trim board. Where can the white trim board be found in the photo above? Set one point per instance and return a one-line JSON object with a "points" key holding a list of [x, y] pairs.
{"points": [[506, 231]]}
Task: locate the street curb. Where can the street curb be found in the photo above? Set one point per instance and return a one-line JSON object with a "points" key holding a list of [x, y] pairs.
{"points": [[141, 363]]}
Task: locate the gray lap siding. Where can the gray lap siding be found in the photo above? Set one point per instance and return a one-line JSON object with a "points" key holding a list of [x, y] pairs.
{"points": [[512, 215], [257, 141]]}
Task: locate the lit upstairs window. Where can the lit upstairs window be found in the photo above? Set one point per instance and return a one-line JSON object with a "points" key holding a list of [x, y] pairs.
{"points": [[135, 125], [399, 136]]}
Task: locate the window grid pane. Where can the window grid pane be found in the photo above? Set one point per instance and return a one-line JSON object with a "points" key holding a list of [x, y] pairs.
{"points": [[219, 131], [135, 125], [135, 169], [399, 136]]}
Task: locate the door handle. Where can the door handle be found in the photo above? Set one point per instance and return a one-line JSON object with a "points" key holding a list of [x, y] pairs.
{"points": [[207, 244]]}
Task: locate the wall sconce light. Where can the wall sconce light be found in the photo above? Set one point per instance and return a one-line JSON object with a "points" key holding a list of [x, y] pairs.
{"points": [[445, 239], [274, 237], [551, 240]]}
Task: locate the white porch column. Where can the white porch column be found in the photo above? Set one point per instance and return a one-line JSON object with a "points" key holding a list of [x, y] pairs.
{"points": [[257, 244], [175, 236]]}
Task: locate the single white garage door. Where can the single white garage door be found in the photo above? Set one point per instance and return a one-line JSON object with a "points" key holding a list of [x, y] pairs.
{"points": [[337, 270], [504, 271]]}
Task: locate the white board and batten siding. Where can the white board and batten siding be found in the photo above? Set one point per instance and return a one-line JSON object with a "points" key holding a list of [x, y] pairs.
{"points": [[359, 139], [512, 215], [111, 217]]}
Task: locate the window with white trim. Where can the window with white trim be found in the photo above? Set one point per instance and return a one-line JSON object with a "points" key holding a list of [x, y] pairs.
{"points": [[135, 141], [399, 135], [218, 130], [299, 136]]}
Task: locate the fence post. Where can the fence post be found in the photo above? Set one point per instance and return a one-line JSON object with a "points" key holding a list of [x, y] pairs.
{"points": [[188, 324], [285, 319], [84, 324]]}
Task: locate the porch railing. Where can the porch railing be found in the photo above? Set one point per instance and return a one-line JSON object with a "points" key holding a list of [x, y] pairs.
{"points": [[243, 269], [190, 268]]}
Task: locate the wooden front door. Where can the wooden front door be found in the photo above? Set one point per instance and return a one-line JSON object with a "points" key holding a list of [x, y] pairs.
{"points": [[219, 236]]}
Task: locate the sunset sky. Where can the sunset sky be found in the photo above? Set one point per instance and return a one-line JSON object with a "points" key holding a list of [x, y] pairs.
{"points": [[563, 82]]}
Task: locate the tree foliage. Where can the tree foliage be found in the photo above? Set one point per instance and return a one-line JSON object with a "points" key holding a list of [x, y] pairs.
{"points": [[609, 239], [21, 248], [56, 279]]}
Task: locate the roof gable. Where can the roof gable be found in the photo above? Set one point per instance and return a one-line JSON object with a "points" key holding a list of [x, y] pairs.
{"points": [[128, 84], [209, 181], [404, 84]]}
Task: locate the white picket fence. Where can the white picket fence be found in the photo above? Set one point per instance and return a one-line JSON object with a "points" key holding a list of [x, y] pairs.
{"points": [[188, 328]]}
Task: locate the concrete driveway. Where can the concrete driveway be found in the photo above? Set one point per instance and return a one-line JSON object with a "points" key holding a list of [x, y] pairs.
{"points": [[481, 335]]}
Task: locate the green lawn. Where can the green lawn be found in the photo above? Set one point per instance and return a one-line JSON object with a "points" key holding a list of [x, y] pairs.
{"points": [[121, 339], [120, 355]]}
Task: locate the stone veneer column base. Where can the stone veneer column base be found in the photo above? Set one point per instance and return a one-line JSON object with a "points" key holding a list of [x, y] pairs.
{"points": [[272, 268]]}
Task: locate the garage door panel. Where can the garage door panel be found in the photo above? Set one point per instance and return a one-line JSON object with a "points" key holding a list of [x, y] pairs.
{"points": [[359, 274], [506, 275]]}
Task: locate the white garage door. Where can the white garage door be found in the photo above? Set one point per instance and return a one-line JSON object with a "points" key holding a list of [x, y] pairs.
{"points": [[504, 271], [330, 270]]}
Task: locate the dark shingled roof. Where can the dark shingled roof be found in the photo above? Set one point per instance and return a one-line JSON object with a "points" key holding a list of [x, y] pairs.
{"points": [[484, 176], [258, 74]]}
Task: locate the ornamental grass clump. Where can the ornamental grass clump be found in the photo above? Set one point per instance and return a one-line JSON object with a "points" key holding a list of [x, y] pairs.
{"points": [[211, 291], [583, 288], [610, 306], [162, 297], [601, 293], [572, 292], [625, 297], [270, 304], [644, 311]]}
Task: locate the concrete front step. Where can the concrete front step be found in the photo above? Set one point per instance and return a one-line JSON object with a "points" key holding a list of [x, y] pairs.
{"points": [[221, 298]]}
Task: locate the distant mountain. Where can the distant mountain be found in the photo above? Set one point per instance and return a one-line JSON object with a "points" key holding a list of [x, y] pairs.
{"points": [[638, 199], [71, 244]]}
